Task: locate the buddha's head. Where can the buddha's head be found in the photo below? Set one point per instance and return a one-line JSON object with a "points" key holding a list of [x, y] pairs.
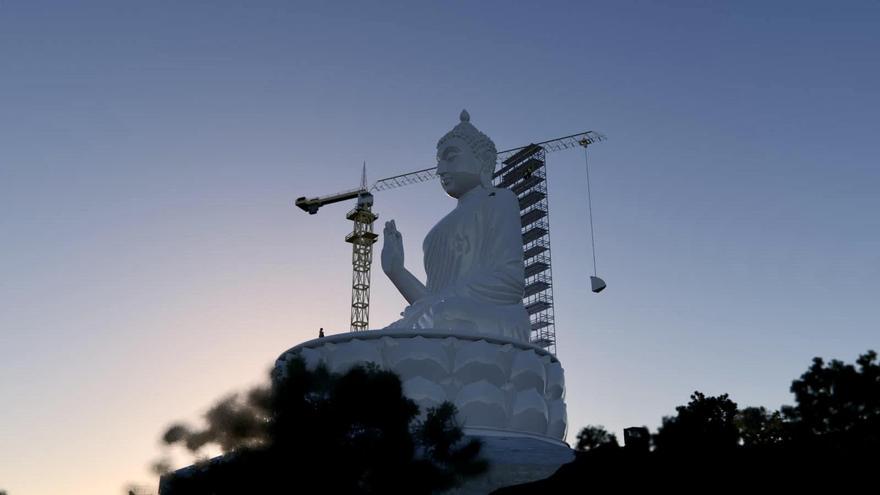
{"points": [[465, 158]]}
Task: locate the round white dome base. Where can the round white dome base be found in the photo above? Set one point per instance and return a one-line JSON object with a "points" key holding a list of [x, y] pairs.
{"points": [[501, 387], [514, 460]]}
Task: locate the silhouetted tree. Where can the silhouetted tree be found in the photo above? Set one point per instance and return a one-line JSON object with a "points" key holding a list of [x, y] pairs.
{"points": [[761, 428], [837, 405], [828, 441], [592, 437], [350, 433], [440, 441], [232, 423], [705, 424]]}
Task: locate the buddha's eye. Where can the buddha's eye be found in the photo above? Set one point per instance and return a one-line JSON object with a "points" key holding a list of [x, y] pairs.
{"points": [[450, 153]]}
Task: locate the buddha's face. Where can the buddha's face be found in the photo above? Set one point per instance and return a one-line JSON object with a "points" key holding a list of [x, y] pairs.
{"points": [[458, 167]]}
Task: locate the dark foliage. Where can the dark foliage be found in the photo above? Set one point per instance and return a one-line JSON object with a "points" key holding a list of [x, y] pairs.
{"points": [[705, 424], [761, 428], [829, 440], [623, 470], [593, 437], [442, 444], [838, 405], [315, 430]]}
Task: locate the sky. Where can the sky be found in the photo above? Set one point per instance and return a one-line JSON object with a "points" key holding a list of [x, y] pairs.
{"points": [[152, 261]]}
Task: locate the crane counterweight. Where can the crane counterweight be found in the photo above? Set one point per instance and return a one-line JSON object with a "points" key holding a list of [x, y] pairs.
{"points": [[311, 205]]}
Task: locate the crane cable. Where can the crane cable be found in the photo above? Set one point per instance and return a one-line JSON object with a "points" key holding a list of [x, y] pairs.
{"points": [[590, 211]]}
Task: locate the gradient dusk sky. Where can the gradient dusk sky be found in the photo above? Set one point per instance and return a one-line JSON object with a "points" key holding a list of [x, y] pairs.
{"points": [[150, 152]]}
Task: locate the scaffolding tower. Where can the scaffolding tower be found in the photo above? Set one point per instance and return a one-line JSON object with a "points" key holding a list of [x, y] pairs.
{"points": [[525, 174], [362, 239]]}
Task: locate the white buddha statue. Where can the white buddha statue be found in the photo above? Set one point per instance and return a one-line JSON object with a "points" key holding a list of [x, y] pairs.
{"points": [[473, 256]]}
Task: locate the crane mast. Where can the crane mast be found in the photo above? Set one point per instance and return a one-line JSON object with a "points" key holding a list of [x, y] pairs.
{"points": [[362, 239]]}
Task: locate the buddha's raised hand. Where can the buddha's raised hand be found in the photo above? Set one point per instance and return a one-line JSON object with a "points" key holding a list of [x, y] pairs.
{"points": [[392, 249]]}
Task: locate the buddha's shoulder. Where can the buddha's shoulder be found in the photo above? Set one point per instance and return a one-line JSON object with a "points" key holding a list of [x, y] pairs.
{"points": [[502, 197]]}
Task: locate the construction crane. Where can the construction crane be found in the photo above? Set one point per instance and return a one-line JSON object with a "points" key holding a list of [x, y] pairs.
{"points": [[361, 238], [523, 171]]}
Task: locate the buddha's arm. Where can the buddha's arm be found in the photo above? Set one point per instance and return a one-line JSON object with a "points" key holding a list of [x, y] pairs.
{"points": [[411, 288], [392, 264]]}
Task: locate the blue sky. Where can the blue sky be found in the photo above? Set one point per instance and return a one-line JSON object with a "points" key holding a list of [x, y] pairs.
{"points": [[152, 259]]}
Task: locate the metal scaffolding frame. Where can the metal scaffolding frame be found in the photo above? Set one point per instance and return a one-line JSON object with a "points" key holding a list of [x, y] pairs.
{"points": [[524, 173]]}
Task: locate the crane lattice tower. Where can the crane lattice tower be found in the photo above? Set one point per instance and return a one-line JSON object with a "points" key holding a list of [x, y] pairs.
{"points": [[362, 239]]}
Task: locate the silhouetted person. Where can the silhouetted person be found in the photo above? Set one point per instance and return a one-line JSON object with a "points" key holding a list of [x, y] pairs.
{"points": [[321, 333]]}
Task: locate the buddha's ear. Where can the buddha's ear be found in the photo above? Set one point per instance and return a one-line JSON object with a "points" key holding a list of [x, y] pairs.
{"points": [[486, 177], [487, 171]]}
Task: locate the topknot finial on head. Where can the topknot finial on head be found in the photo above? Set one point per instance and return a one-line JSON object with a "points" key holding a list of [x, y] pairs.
{"points": [[464, 116]]}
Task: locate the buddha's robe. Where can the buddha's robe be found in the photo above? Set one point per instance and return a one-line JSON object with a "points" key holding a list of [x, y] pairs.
{"points": [[474, 262]]}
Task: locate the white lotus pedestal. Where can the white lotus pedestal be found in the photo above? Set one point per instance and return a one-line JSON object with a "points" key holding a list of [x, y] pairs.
{"points": [[508, 393]]}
